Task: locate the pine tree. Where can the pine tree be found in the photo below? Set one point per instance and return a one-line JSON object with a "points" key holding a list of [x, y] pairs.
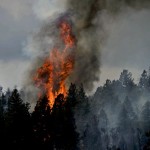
{"points": [[130, 112], [126, 79], [146, 112], [17, 122], [143, 79], [127, 115], [41, 124], [127, 119], [82, 108], [107, 92], [124, 121], [122, 144], [83, 102], [103, 120], [147, 143], [4, 102], [2, 123], [145, 116], [58, 123], [72, 95], [70, 105], [64, 127], [92, 136]]}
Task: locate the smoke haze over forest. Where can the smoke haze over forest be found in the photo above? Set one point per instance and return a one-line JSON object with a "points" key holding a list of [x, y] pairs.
{"points": [[82, 66]]}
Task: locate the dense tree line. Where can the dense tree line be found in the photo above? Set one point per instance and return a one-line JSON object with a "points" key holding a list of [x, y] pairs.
{"points": [[119, 115], [44, 128], [115, 117]]}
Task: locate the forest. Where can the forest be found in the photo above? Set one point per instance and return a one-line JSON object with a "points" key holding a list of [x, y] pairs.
{"points": [[115, 117]]}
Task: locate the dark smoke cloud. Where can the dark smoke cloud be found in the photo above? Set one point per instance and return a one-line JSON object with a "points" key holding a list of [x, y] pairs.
{"points": [[87, 67], [91, 34]]}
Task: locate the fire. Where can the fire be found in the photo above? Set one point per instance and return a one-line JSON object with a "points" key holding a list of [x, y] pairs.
{"points": [[50, 78]]}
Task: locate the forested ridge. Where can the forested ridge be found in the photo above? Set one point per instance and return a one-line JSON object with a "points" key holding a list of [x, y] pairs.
{"points": [[116, 116]]}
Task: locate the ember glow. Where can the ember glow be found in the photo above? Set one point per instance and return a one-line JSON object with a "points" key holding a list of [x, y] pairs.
{"points": [[51, 77]]}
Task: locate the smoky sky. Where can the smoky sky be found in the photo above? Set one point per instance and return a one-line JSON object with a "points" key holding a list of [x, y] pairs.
{"points": [[128, 44], [123, 39], [130, 34], [17, 22]]}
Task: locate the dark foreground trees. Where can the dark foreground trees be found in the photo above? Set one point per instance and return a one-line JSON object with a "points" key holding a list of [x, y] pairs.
{"points": [[54, 128], [45, 128], [117, 116], [41, 125], [17, 125], [64, 128]]}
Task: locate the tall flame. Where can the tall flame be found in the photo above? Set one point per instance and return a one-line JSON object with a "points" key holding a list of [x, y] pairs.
{"points": [[50, 78]]}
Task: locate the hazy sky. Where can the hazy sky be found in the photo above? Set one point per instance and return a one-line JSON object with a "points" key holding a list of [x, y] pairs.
{"points": [[127, 45]]}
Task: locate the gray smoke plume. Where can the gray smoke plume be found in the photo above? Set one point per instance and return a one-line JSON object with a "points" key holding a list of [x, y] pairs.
{"points": [[87, 64], [91, 34], [87, 50], [88, 19]]}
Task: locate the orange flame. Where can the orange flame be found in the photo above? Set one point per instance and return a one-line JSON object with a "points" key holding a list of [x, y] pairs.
{"points": [[51, 76]]}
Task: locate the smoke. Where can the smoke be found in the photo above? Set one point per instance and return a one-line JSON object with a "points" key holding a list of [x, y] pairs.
{"points": [[18, 9], [87, 67], [86, 29], [88, 19], [93, 20], [48, 8], [87, 58], [18, 66]]}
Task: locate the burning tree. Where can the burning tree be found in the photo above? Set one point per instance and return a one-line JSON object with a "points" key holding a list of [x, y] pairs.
{"points": [[55, 127], [51, 77]]}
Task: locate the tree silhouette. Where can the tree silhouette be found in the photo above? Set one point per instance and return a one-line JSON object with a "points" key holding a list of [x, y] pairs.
{"points": [[41, 124], [17, 122], [64, 128], [143, 83], [126, 79], [2, 123]]}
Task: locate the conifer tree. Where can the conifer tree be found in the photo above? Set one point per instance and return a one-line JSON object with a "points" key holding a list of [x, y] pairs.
{"points": [[64, 127], [41, 124], [143, 83], [2, 123], [17, 122], [126, 79], [146, 112]]}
